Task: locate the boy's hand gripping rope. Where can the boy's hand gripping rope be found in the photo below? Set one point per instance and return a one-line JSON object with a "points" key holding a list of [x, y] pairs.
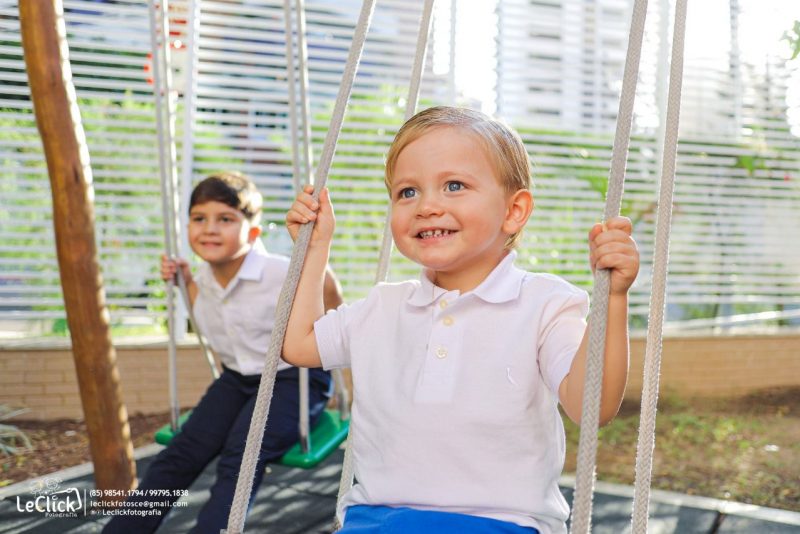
{"points": [[590, 415]]}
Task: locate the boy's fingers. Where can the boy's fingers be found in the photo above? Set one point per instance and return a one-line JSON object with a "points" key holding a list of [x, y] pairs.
{"points": [[620, 223], [613, 236], [596, 230], [304, 199], [297, 216]]}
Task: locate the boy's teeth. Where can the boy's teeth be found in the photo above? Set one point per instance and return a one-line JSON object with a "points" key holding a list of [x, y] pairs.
{"points": [[433, 233]]}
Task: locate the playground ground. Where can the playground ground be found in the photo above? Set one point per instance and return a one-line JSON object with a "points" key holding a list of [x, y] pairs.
{"points": [[744, 449], [722, 465], [293, 501]]}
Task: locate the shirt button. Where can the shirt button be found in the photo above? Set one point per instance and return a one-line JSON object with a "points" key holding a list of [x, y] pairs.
{"points": [[441, 353], [448, 321], [442, 304]]}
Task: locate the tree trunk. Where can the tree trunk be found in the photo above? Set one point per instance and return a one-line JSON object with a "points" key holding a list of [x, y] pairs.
{"points": [[58, 119]]}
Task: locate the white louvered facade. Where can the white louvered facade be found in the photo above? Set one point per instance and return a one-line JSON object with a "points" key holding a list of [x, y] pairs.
{"points": [[558, 69], [738, 174]]}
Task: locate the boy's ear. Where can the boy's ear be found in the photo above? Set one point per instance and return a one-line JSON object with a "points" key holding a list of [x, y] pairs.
{"points": [[519, 208], [253, 233]]}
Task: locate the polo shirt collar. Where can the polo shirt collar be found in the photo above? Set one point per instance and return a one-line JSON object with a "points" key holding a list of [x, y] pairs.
{"points": [[502, 285], [253, 264]]}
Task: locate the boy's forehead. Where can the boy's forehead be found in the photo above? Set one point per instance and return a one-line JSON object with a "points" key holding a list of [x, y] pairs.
{"points": [[214, 206], [448, 149]]}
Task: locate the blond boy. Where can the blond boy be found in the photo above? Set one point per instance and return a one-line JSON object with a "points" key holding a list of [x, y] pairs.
{"points": [[457, 376]]}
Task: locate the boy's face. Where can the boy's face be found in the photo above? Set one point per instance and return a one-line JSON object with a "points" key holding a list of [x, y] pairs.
{"points": [[219, 233], [450, 213]]}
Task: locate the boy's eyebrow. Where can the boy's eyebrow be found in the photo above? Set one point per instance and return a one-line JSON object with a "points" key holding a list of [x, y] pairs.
{"points": [[442, 175], [404, 181]]}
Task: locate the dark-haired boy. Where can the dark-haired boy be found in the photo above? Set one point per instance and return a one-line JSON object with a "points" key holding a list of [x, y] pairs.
{"points": [[233, 296]]}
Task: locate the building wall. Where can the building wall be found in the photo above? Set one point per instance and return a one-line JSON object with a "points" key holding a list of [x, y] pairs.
{"points": [[43, 379]]}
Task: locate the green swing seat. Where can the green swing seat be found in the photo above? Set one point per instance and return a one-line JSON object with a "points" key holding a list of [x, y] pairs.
{"points": [[329, 432]]}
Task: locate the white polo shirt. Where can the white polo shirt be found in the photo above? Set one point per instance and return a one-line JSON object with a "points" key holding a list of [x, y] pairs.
{"points": [[455, 405], [238, 320]]}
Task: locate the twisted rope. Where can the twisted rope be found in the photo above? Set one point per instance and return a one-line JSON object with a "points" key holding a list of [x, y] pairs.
{"points": [[652, 360], [346, 481], [258, 422], [590, 415]]}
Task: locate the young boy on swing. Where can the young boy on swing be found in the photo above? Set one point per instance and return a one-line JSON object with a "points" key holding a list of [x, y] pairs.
{"points": [[457, 376], [233, 296]]}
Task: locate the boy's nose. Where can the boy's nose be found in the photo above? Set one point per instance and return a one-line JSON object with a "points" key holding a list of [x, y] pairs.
{"points": [[429, 205]]}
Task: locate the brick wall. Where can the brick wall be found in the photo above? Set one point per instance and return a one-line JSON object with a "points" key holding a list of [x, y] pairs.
{"points": [[721, 365], [43, 379]]}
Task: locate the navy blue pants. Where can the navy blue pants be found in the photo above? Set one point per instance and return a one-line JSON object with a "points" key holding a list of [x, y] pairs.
{"points": [[218, 426]]}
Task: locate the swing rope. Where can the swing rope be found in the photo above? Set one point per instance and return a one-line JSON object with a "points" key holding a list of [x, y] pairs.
{"points": [[340, 389], [244, 484], [187, 157], [346, 481], [652, 360], [299, 179], [291, 80], [590, 415], [162, 81], [411, 106], [167, 158]]}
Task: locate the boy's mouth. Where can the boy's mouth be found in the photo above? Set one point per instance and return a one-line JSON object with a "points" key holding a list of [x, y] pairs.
{"points": [[428, 234]]}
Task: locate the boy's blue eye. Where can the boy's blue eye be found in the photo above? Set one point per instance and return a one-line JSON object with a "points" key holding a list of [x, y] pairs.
{"points": [[408, 192], [455, 186]]}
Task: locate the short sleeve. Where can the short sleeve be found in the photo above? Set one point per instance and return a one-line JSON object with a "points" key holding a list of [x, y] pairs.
{"points": [[333, 333], [561, 330]]}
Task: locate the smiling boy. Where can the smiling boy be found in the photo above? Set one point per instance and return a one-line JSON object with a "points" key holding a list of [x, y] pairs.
{"points": [[458, 375], [233, 296]]}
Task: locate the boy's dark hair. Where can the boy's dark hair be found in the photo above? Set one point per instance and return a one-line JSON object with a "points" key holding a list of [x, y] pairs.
{"points": [[232, 188]]}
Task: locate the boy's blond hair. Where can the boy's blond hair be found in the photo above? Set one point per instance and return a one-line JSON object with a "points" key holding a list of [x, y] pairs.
{"points": [[502, 145]]}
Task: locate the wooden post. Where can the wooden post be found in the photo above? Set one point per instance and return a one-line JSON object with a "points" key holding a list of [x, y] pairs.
{"points": [[58, 120]]}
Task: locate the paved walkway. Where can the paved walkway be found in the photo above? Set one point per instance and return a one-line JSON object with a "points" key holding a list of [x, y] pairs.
{"points": [[293, 501]]}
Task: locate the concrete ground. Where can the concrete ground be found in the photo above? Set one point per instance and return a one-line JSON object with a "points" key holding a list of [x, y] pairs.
{"points": [[293, 501]]}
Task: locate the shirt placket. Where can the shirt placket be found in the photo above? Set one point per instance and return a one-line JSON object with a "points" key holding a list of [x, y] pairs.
{"points": [[443, 352], [228, 315]]}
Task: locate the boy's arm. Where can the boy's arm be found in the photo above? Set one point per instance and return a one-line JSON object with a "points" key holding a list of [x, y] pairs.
{"points": [[615, 366], [300, 344], [612, 247]]}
